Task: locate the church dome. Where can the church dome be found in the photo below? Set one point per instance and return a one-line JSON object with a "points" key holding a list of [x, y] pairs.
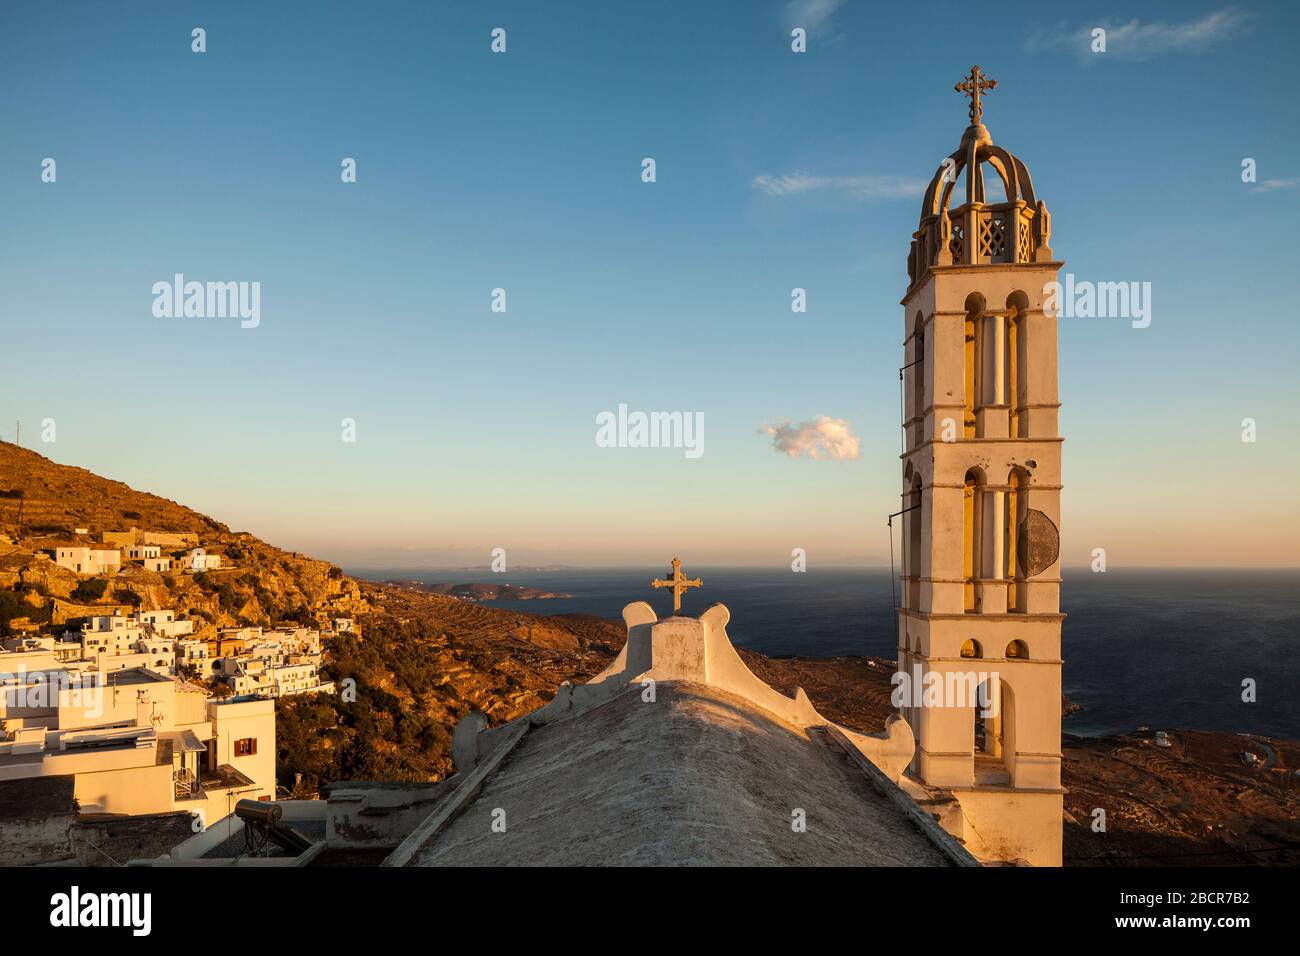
{"points": [[958, 226]]}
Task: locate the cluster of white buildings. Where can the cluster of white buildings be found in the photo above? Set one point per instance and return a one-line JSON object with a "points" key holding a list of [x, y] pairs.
{"points": [[271, 662], [250, 661], [120, 703], [85, 559], [143, 639], [133, 738], [108, 704]]}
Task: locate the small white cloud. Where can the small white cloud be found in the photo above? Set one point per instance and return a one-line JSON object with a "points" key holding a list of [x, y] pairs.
{"points": [[864, 188], [822, 438], [1272, 185], [813, 15], [1136, 40]]}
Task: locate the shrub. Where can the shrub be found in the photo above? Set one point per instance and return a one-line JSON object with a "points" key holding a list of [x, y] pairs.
{"points": [[228, 598], [12, 605], [87, 592], [300, 615], [190, 671]]}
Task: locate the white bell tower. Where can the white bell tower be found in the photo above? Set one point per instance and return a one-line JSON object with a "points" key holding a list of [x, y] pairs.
{"points": [[980, 601]]}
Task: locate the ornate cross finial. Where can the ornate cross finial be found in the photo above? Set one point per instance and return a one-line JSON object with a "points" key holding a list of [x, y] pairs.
{"points": [[679, 583], [973, 84]]}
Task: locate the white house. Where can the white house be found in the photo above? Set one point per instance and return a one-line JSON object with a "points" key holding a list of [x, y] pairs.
{"points": [[290, 679], [165, 623], [107, 634], [192, 652], [88, 560], [200, 560]]}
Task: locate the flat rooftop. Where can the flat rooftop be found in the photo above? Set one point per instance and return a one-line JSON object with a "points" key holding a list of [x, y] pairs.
{"points": [[133, 675]]}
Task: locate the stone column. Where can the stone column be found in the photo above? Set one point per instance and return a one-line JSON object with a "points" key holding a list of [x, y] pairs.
{"points": [[971, 244], [992, 583], [993, 415]]}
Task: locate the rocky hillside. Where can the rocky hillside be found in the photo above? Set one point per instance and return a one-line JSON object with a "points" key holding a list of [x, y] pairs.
{"points": [[42, 504]]}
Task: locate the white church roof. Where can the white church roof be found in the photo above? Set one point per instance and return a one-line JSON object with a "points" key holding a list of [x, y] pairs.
{"points": [[712, 768], [699, 777]]}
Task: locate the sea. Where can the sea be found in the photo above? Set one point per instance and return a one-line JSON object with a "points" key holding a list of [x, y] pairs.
{"points": [[1142, 648]]}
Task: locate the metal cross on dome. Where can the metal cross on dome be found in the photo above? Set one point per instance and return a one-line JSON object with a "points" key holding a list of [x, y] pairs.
{"points": [[973, 85], [679, 583]]}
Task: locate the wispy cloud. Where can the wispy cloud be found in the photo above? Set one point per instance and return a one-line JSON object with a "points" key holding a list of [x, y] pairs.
{"points": [[1272, 185], [813, 15], [1136, 40], [822, 438], [865, 188]]}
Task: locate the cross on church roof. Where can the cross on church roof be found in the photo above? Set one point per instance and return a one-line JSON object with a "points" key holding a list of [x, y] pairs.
{"points": [[679, 583], [973, 84]]}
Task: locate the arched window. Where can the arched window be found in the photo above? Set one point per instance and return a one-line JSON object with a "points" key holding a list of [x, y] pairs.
{"points": [[995, 732], [972, 517], [1018, 651], [971, 648], [988, 726], [971, 366], [1015, 363]]}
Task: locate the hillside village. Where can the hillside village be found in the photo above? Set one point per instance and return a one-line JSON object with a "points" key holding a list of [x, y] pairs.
{"points": [[149, 655], [139, 666]]}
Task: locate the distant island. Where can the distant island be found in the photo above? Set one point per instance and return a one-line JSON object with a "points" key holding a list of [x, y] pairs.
{"points": [[479, 592], [519, 567]]}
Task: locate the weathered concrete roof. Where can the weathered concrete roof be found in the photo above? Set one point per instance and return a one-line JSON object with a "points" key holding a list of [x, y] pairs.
{"points": [[701, 776], [36, 798]]}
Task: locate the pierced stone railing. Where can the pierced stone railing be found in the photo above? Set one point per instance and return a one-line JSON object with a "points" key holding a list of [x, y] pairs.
{"points": [[978, 233]]}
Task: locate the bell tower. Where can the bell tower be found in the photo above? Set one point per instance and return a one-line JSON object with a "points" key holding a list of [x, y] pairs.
{"points": [[980, 611]]}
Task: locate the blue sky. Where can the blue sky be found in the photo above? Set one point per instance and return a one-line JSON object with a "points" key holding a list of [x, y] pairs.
{"points": [[523, 171]]}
